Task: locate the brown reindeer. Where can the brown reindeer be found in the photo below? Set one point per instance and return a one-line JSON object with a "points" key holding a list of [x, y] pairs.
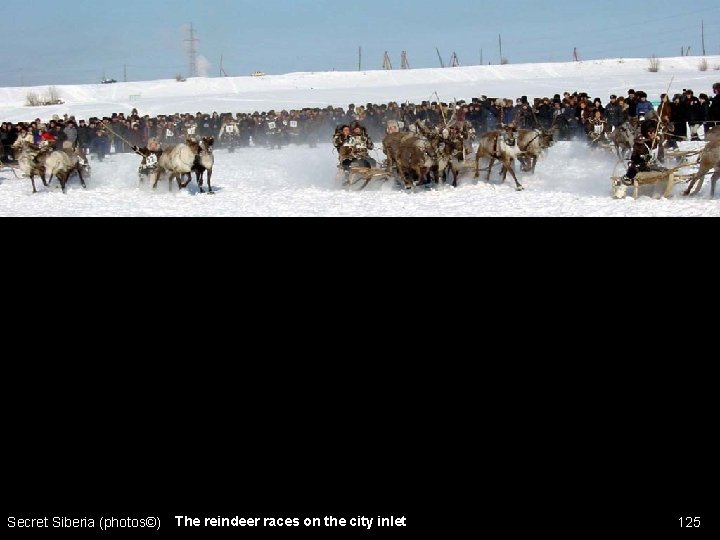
{"points": [[501, 146], [709, 160], [450, 152], [391, 147], [416, 157], [411, 153]]}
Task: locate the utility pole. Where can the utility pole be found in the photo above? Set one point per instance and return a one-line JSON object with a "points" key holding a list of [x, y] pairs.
{"points": [[702, 30], [481, 57], [360, 58], [125, 73], [387, 65], [442, 64], [404, 63], [500, 42], [192, 52], [222, 71]]}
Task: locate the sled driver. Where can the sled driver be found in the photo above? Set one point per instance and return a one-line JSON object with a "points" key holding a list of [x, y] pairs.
{"points": [[150, 156], [642, 158], [356, 148]]}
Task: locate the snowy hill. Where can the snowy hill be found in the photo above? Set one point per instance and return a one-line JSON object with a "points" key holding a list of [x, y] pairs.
{"points": [[296, 90], [570, 181]]}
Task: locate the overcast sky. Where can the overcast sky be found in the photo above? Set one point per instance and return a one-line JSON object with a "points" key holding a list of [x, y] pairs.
{"points": [[79, 41]]}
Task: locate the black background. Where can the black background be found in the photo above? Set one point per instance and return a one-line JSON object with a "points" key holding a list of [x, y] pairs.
{"points": [[486, 383]]}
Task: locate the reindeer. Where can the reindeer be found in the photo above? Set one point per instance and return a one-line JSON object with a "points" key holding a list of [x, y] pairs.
{"points": [[709, 160], [498, 145], [391, 147], [415, 156], [623, 138], [177, 161], [450, 152], [204, 161], [532, 142], [29, 161], [78, 159], [36, 161]]}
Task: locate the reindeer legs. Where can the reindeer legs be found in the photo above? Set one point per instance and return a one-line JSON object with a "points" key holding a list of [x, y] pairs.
{"points": [[510, 167], [63, 178], [178, 178], [699, 179], [209, 176]]}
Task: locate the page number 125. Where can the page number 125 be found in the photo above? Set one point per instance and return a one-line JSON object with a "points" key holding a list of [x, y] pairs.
{"points": [[688, 522]]}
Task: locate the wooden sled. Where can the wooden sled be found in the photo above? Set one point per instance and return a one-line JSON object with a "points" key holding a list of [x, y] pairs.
{"points": [[355, 175], [681, 156], [649, 178]]}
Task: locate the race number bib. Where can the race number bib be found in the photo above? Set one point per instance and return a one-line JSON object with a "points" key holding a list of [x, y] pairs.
{"points": [[598, 129], [230, 129], [191, 130], [271, 125], [169, 133], [293, 123], [151, 160], [401, 125], [284, 122]]}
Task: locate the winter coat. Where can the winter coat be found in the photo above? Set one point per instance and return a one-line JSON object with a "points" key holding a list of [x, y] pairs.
{"points": [[614, 115], [715, 108], [693, 111], [643, 107], [84, 136]]}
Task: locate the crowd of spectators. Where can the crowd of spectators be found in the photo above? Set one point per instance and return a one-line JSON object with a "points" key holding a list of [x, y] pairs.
{"points": [[572, 114]]}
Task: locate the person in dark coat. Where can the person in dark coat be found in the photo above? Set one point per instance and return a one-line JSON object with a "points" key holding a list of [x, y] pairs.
{"points": [[679, 117], [631, 103], [545, 113], [614, 113], [704, 102], [693, 114], [714, 109], [84, 135], [101, 143], [641, 158]]}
